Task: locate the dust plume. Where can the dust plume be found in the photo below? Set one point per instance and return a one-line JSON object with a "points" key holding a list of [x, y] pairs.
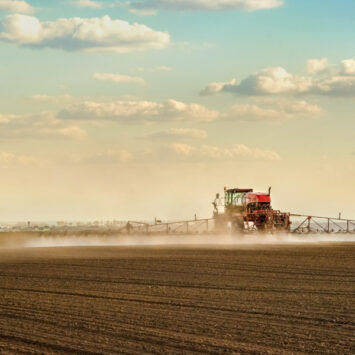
{"points": [[41, 241]]}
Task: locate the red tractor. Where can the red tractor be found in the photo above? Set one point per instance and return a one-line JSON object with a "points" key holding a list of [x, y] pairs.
{"points": [[245, 210]]}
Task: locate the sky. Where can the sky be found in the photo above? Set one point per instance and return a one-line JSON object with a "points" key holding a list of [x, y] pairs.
{"points": [[141, 109]]}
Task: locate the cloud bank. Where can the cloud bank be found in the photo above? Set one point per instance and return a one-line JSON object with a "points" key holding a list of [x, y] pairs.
{"points": [[268, 109], [16, 6], [275, 110], [267, 81], [131, 111], [277, 81], [317, 65], [41, 125], [81, 34]]}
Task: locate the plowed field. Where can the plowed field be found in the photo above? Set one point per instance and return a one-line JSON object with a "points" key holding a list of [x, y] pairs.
{"points": [[104, 300]]}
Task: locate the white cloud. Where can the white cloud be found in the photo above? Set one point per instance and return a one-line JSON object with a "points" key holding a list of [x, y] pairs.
{"points": [[43, 98], [209, 5], [133, 111], [338, 82], [216, 87], [275, 110], [16, 6], [78, 34], [253, 111], [271, 81], [42, 125], [118, 78], [177, 133], [265, 82], [87, 3], [221, 153], [130, 111], [317, 65], [336, 86], [111, 110], [348, 67]]}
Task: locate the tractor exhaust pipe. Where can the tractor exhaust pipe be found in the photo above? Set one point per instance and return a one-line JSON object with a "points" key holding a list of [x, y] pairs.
{"points": [[269, 190]]}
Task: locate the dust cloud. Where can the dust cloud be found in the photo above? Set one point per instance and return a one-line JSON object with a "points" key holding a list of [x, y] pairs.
{"points": [[23, 241]]}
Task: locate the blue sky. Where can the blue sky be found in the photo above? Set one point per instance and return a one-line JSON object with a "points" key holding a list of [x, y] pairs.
{"points": [[84, 119]]}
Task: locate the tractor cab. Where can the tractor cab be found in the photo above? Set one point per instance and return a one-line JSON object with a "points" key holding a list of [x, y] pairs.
{"points": [[245, 200], [235, 199]]}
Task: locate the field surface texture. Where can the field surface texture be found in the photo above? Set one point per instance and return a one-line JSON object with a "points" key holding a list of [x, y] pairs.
{"points": [[104, 300]]}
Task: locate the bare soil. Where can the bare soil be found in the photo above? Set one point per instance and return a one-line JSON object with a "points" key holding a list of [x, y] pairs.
{"points": [[104, 300]]}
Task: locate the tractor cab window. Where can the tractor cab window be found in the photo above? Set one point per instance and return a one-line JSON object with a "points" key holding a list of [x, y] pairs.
{"points": [[235, 198]]}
